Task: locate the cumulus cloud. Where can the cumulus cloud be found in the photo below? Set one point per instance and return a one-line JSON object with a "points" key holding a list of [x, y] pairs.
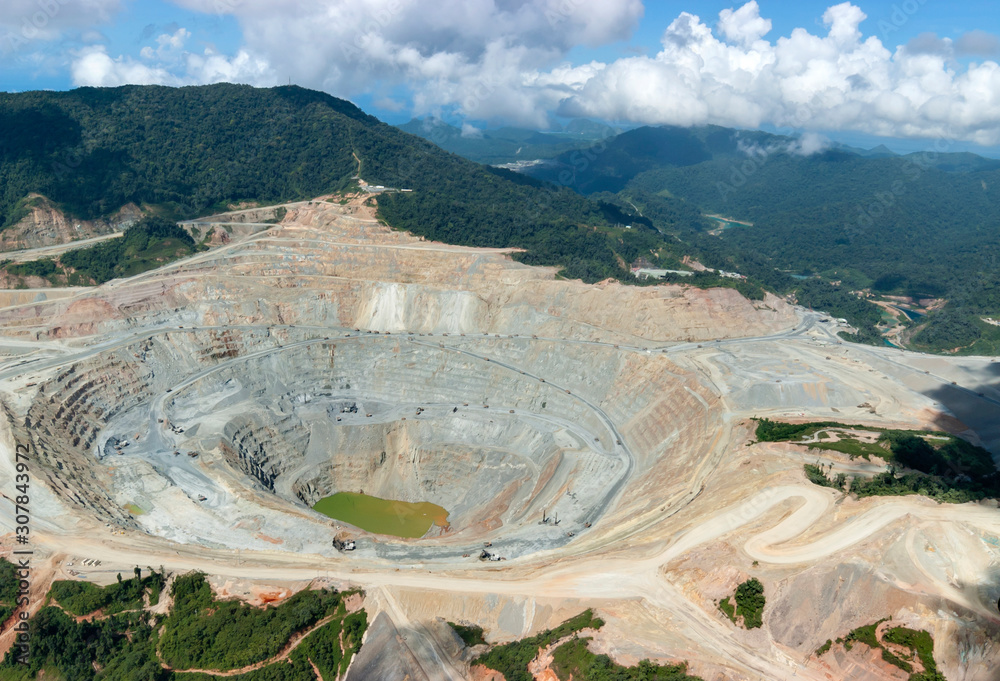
{"points": [[25, 24], [837, 81], [94, 67], [507, 60], [745, 25], [971, 44], [168, 64], [494, 59], [469, 130], [810, 143], [978, 44]]}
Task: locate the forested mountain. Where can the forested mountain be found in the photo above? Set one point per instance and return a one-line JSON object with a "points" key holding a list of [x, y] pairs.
{"points": [[610, 164], [507, 145], [183, 152], [923, 226], [918, 226], [824, 225]]}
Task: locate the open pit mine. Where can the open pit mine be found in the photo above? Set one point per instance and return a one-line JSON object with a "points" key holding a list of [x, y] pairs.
{"points": [[587, 446]]}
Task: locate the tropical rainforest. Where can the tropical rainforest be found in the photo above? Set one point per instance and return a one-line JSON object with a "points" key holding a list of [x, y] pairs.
{"points": [[832, 230]]}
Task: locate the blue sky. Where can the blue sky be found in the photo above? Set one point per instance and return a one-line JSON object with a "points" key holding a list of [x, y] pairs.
{"points": [[535, 63]]}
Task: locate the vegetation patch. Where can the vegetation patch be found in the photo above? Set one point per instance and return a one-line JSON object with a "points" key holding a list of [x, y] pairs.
{"points": [[818, 477], [574, 660], [204, 633], [82, 598], [728, 609], [920, 643], [279, 214], [44, 268], [151, 243], [9, 589], [865, 634], [750, 603], [123, 646], [511, 659], [934, 464], [471, 635]]}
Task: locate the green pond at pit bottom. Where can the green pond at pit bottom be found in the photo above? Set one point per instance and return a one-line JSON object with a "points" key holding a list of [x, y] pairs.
{"points": [[383, 516]]}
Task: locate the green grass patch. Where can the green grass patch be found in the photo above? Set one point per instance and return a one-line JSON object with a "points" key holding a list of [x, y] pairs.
{"points": [[728, 609], [817, 476], [935, 464], [897, 661], [854, 448], [511, 659], [574, 660], [83, 598], [471, 635], [383, 516], [778, 431], [922, 643], [865, 634]]}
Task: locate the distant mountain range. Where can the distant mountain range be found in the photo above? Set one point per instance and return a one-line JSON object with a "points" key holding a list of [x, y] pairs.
{"points": [[185, 152], [919, 226], [497, 146], [829, 228]]}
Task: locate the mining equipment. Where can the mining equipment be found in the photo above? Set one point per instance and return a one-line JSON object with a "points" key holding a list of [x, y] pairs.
{"points": [[344, 545]]}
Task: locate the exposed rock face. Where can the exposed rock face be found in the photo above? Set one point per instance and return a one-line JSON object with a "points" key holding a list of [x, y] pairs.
{"points": [[46, 225], [223, 394], [302, 416], [384, 656]]}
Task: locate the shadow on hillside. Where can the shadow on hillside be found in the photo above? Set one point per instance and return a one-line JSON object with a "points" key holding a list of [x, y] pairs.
{"points": [[977, 406]]}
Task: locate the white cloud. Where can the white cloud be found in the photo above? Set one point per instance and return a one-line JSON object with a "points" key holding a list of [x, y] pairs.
{"points": [[469, 130], [507, 60], [837, 81], [169, 46], [486, 58], [745, 25], [810, 143], [26, 26], [94, 67], [169, 64]]}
